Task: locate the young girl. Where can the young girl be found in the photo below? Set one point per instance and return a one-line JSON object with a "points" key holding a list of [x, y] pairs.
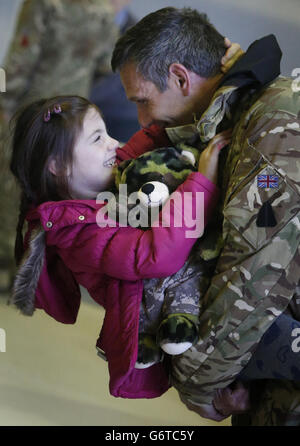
{"points": [[62, 158]]}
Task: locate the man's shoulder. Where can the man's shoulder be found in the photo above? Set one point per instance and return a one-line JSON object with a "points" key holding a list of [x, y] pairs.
{"points": [[279, 97], [274, 109]]}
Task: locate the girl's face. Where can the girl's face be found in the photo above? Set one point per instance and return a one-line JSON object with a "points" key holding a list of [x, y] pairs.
{"points": [[93, 158]]}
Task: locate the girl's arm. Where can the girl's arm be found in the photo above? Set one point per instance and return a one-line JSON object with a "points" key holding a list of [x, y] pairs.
{"points": [[130, 253], [143, 141]]}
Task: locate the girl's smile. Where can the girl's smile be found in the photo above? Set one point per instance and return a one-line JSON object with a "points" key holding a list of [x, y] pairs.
{"points": [[109, 159]]}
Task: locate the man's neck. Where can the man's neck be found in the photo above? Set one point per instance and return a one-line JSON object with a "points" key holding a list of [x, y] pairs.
{"points": [[204, 93]]}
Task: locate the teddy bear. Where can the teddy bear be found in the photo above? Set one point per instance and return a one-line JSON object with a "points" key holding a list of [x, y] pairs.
{"points": [[147, 182]]}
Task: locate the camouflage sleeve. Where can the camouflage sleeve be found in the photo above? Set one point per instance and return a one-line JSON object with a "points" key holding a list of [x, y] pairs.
{"points": [[23, 54], [258, 268]]}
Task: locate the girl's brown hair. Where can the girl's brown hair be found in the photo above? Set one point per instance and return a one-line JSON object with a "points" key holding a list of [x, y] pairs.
{"points": [[35, 143]]}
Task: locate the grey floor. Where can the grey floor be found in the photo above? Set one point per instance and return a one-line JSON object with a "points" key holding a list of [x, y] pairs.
{"points": [[50, 375]]}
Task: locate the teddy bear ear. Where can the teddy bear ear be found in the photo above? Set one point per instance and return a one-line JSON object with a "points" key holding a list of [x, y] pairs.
{"points": [[189, 156]]}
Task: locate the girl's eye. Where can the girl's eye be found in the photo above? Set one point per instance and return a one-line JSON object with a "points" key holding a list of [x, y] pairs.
{"points": [[98, 138]]}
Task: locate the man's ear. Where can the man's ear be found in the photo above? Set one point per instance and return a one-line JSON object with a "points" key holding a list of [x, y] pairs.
{"points": [[181, 77]]}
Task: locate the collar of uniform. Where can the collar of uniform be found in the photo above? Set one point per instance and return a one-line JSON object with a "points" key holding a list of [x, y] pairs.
{"points": [[184, 133], [260, 64], [214, 114], [206, 127]]}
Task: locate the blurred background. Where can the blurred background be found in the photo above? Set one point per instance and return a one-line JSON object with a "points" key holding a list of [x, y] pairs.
{"points": [[241, 20], [49, 372]]}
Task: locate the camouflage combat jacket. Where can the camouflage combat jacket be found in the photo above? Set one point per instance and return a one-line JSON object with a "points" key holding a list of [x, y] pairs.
{"points": [[257, 266]]}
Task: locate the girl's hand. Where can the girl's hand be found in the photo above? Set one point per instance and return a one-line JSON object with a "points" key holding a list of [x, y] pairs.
{"points": [[231, 56], [208, 162]]}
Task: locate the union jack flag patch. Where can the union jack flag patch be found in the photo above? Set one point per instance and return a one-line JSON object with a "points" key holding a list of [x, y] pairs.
{"points": [[266, 181]]}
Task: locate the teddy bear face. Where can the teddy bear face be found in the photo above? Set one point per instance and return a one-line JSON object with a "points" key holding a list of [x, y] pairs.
{"points": [[154, 176], [153, 194], [168, 165]]}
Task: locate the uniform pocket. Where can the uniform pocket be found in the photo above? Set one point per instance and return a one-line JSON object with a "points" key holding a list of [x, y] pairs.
{"points": [[262, 206]]}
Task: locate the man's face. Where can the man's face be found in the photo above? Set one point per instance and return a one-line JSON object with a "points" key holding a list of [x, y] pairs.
{"points": [[167, 108]]}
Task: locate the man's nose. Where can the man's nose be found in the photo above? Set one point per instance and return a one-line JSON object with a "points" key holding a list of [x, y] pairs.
{"points": [[144, 118]]}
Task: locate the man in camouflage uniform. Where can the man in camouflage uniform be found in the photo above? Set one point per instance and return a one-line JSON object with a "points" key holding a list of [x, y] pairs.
{"points": [[254, 237], [57, 48], [257, 270]]}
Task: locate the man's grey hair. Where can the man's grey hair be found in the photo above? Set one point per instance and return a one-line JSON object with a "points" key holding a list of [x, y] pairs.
{"points": [[167, 36]]}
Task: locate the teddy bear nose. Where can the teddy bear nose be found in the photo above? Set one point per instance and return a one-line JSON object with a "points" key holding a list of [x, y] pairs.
{"points": [[147, 188]]}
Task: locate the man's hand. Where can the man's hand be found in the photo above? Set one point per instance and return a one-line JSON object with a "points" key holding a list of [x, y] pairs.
{"points": [[206, 411], [232, 400], [232, 55], [228, 401]]}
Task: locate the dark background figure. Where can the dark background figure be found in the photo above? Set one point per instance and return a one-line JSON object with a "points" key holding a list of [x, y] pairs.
{"points": [[108, 94]]}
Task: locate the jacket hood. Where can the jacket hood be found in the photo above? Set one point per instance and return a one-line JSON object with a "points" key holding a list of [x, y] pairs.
{"points": [[28, 274], [58, 293], [260, 64]]}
